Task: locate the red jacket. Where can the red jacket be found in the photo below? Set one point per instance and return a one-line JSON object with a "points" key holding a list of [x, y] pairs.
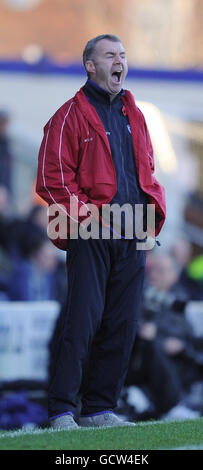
{"points": [[75, 158]]}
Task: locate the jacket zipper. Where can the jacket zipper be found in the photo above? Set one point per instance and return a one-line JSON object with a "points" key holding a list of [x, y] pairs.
{"points": [[122, 161]]}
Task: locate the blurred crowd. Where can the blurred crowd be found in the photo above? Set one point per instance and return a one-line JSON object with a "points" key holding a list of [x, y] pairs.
{"points": [[164, 379], [30, 268]]}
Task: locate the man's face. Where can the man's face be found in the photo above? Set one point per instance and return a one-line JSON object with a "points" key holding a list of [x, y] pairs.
{"points": [[108, 66]]}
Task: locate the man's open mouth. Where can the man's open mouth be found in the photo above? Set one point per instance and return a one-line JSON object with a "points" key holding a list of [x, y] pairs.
{"points": [[117, 76]]}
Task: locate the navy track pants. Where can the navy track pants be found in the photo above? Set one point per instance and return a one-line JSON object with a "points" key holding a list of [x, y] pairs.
{"points": [[97, 332]]}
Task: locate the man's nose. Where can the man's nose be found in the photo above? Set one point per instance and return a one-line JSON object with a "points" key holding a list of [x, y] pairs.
{"points": [[117, 59]]}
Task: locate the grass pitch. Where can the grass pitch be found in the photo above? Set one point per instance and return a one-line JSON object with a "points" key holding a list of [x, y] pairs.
{"points": [[152, 435]]}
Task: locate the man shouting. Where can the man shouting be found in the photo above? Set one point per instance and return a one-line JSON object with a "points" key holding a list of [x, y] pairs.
{"points": [[97, 152]]}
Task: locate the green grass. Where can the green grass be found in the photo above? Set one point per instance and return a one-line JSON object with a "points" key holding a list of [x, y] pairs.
{"points": [[147, 435]]}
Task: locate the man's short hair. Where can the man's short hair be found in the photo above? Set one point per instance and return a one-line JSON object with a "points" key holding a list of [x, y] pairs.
{"points": [[91, 44]]}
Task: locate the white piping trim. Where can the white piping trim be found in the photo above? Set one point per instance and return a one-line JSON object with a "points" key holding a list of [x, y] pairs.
{"points": [[43, 176], [60, 159]]}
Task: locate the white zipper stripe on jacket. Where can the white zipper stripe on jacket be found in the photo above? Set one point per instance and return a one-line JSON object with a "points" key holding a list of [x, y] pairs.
{"points": [[43, 176], [60, 159]]}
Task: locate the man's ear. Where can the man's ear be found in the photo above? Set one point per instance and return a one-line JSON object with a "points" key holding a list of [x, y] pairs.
{"points": [[90, 67]]}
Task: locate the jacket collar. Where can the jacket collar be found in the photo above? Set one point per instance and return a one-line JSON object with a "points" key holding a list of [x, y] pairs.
{"points": [[92, 117], [94, 91]]}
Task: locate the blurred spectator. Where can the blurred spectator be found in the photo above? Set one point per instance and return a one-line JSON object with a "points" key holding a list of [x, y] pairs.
{"points": [[21, 229], [5, 152], [163, 272], [29, 265], [4, 200], [5, 262], [38, 217], [4, 218], [166, 360], [165, 305], [163, 287], [191, 276], [162, 370], [181, 251], [36, 277]]}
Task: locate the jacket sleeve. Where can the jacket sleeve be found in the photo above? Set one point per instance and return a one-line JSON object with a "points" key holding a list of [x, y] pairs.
{"points": [[160, 190], [57, 178], [150, 151]]}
